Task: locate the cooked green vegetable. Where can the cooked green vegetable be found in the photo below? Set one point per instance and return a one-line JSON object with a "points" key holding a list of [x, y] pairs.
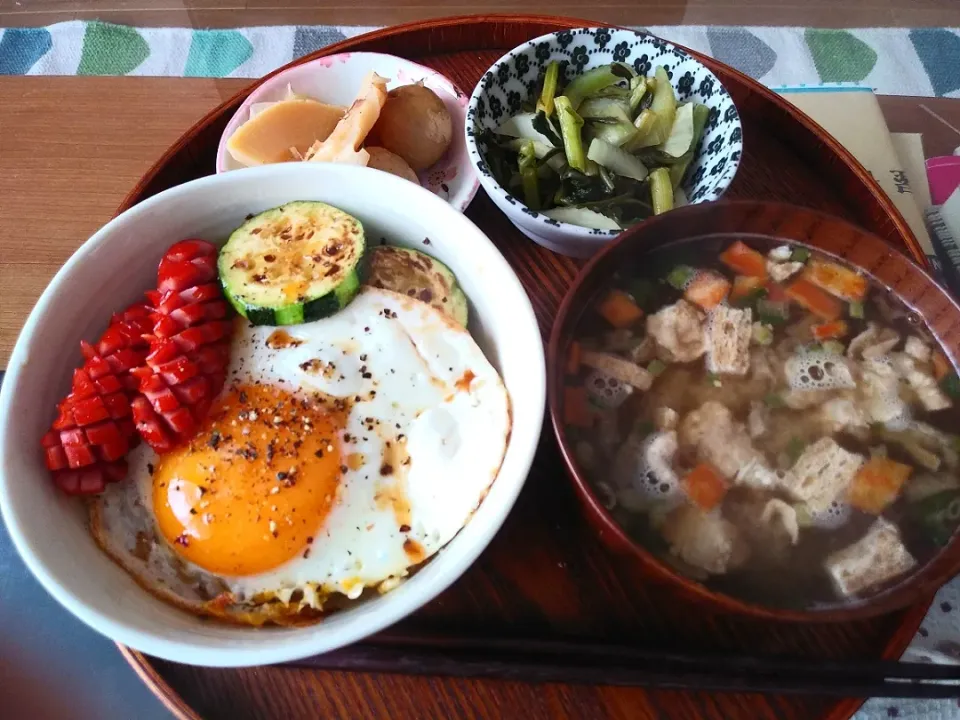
{"points": [[527, 162], [661, 190], [293, 264], [570, 126], [857, 310], [584, 217], [700, 115], [950, 384], [681, 134], [592, 81], [664, 104], [550, 78], [416, 274], [638, 88], [799, 254], [611, 142], [616, 160]]}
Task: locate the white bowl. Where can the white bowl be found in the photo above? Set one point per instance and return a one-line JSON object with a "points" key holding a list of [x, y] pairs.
{"points": [[513, 79], [336, 79], [112, 269]]}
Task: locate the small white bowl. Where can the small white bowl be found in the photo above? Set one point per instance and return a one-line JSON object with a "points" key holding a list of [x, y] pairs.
{"points": [[112, 269], [336, 79], [514, 77]]}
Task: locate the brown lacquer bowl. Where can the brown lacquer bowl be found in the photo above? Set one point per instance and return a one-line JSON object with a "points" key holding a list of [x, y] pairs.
{"points": [[763, 225]]}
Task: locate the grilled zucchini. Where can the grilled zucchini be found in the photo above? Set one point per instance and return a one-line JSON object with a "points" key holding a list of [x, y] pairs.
{"points": [[293, 264], [419, 276]]}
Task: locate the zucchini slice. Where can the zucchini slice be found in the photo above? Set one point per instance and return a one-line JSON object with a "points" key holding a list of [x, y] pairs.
{"points": [[293, 264], [419, 276]]}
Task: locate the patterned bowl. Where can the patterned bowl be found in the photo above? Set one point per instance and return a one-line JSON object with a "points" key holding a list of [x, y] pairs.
{"points": [[335, 79], [513, 79]]}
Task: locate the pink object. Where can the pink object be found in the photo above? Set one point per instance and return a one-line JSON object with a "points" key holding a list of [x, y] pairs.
{"points": [[943, 174], [335, 79]]}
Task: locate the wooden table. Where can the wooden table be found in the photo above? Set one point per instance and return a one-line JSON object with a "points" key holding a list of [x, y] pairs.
{"points": [[70, 148]]}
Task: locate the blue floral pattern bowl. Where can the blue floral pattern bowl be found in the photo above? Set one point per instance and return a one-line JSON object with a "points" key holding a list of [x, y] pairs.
{"points": [[514, 77]]}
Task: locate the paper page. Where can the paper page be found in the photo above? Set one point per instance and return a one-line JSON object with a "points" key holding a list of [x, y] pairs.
{"points": [[853, 116]]}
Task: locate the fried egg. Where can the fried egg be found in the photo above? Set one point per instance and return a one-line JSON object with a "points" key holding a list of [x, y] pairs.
{"points": [[341, 454]]}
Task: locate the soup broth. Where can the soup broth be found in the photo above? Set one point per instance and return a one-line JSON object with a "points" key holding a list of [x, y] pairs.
{"points": [[766, 420]]}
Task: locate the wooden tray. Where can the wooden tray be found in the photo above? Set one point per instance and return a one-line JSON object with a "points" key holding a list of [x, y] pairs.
{"points": [[544, 576]]}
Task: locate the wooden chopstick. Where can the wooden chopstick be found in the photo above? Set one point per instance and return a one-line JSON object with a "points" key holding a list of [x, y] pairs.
{"points": [[592, 663]]}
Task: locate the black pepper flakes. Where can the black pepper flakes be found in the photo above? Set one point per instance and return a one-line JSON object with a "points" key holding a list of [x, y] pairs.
{"points": [[243, 397], [404, 528], [386, 469], [318, 453], [426, 241], [182, 540], [215, 439], [150, 468]]}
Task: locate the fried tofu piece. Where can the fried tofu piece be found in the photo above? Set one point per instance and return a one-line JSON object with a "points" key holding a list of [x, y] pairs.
{"points": [[678, 332], [718, 438], [877, 557], [728, 335], [618, 367], [822, 473], [918, 349], [923, 384]]}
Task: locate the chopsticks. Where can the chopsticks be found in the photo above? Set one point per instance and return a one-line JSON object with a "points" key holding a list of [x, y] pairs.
{"points": [[600, 664]]}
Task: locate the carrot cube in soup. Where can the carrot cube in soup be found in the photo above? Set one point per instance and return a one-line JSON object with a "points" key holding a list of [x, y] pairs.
{"points": [[619, 309], [707, 290], [877, 484], [941, 366], [705, 486], [573, 358], [809, 296], [837, 280], [829, 330], [743, 259], [576, 408]]}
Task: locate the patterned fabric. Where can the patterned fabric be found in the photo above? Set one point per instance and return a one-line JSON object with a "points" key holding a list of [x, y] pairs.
{"points": [[893, 61]]}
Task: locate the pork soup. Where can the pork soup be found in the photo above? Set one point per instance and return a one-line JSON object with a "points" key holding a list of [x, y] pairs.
{"points": [[768, 422]]}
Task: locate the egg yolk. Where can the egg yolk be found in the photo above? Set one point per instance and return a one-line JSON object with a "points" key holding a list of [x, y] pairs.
{"points": [[255, 484]]}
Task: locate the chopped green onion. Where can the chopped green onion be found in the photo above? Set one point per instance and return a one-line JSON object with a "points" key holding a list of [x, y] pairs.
{"points": [[550, 77], [714, 379], [773, 401], [527, 161], [795, 449], [804, 518], [570, 126], [857, 310], [799, 254], [772, 313], [680, 276], [762, 334], [834, 347], [643, 293], [950, 384], [661, 190], [656, 367]]}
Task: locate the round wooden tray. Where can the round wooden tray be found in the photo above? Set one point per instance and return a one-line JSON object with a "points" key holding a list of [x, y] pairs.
{"points": [[545, 575]]}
